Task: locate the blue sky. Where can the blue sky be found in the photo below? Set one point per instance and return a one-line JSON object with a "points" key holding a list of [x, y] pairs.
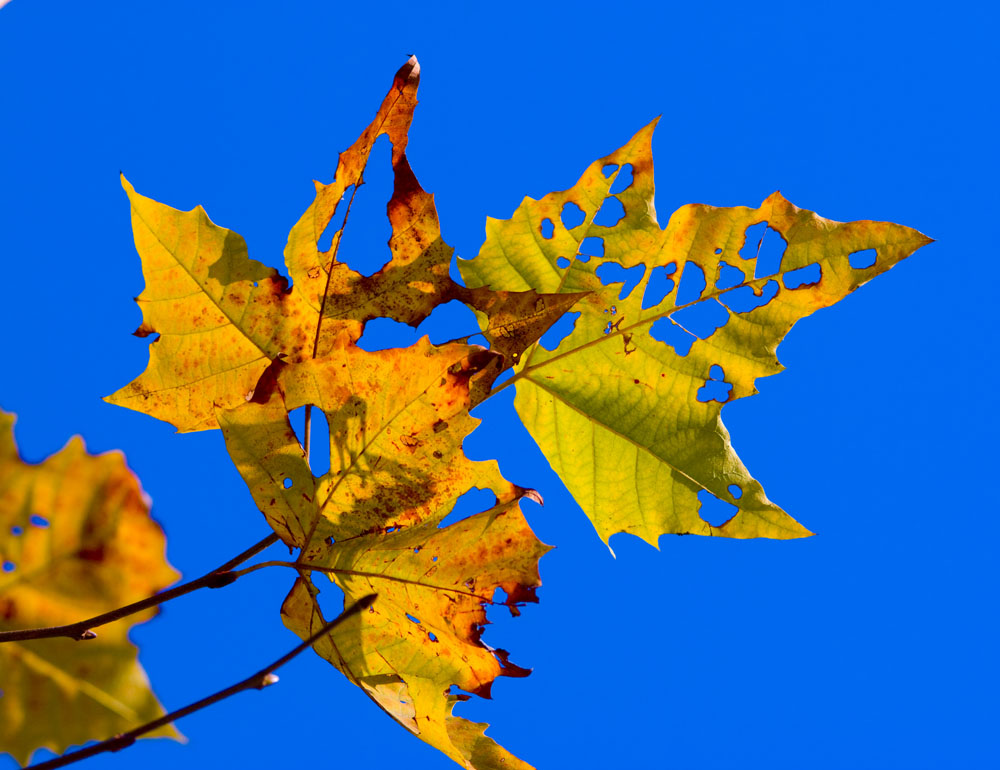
{"points": [[871, 645]]}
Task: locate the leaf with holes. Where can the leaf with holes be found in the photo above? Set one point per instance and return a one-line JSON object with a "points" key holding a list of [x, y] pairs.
{"points": [[397, 419], [422, 636], [222, 318], [76, 540], [677, 322]]}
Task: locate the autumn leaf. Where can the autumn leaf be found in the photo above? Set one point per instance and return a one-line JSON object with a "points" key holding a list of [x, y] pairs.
{"points": [[397, 419], [627, 407], [222, 318], [422, 636], [76, 540]]}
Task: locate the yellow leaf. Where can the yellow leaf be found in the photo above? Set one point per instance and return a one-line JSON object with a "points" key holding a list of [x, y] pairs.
{"points": [[76, 540], [422, 635], [397, 419], [615, 406]]}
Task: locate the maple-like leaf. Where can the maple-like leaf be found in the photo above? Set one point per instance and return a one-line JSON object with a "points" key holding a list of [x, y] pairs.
{"points": [[623, 406], [76, 540], [222, 318], [422, 636], [397, 419]]}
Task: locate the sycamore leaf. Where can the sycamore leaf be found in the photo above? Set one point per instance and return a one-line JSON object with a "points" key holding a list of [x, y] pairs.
{"points": [[397, 419], [76, 540], [422, 635], [223, 318], [627, 407]]}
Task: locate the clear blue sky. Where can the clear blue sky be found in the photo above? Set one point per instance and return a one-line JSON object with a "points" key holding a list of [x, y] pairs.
{"points": [[871, 645]]}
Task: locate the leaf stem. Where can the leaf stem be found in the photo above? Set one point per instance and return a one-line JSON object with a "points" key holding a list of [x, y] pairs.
{"points": [[257, 681], [81, 631]]}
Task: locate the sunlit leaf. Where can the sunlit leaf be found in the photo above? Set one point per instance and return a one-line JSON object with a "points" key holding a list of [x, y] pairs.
{"points": [[76, 540]]}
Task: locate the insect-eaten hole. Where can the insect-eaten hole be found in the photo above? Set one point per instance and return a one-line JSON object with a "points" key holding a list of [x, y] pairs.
{"points": [[446, 322], [547, 229], [666, 331], [412, 619], [38, 521], [744, 299], [432, 636], [735, 490], [469, 503], [718, 251], [16, 531], [614, 272], [9, 566], [767, 246], [571, 215], [559, 331], [859, 260], [590, 247], [809, 275], [659, 285], [702, 318], [714, 511], [692, 284], [715, 388], [562, 262], [287, 483], [623, 181], [609, 169], [611, 212], [319, 439], [368, 223], [729, 276]]}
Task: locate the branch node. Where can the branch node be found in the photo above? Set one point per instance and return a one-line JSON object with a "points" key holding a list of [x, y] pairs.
{"points": [[84, 636], [221, 579], [266, 680]]}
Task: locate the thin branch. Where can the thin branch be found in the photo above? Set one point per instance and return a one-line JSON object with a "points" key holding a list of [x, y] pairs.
{"points": [[82, 630], [257, 681]]}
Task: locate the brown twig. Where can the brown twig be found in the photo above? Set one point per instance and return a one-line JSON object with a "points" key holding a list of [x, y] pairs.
{"points": [[82, 630], [257, 681]]}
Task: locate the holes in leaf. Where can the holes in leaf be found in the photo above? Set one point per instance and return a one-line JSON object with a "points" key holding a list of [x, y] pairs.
{"points": [[715, 388], [412, 619], [336, 222], [559, 331], [571, 216], [613, 272], [803, 276], [714, 511], [369, 224], [591, 247], [623, 181], [16, 531], [38, 521], [611, 212], [729, 276], [562, 263], [547, 229], [287, 483], [702, 318], [609, 169], [692, 283], [659, 285], [767, 245], [432, 636], [718, 251], [862, 259], [473, 501], [446, 322], [9, 566], [735, 490], [669, 333], [744, 299]]}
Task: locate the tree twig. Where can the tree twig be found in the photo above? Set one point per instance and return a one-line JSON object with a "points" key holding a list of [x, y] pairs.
{"points": [[82, 630], [257, 681]]}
